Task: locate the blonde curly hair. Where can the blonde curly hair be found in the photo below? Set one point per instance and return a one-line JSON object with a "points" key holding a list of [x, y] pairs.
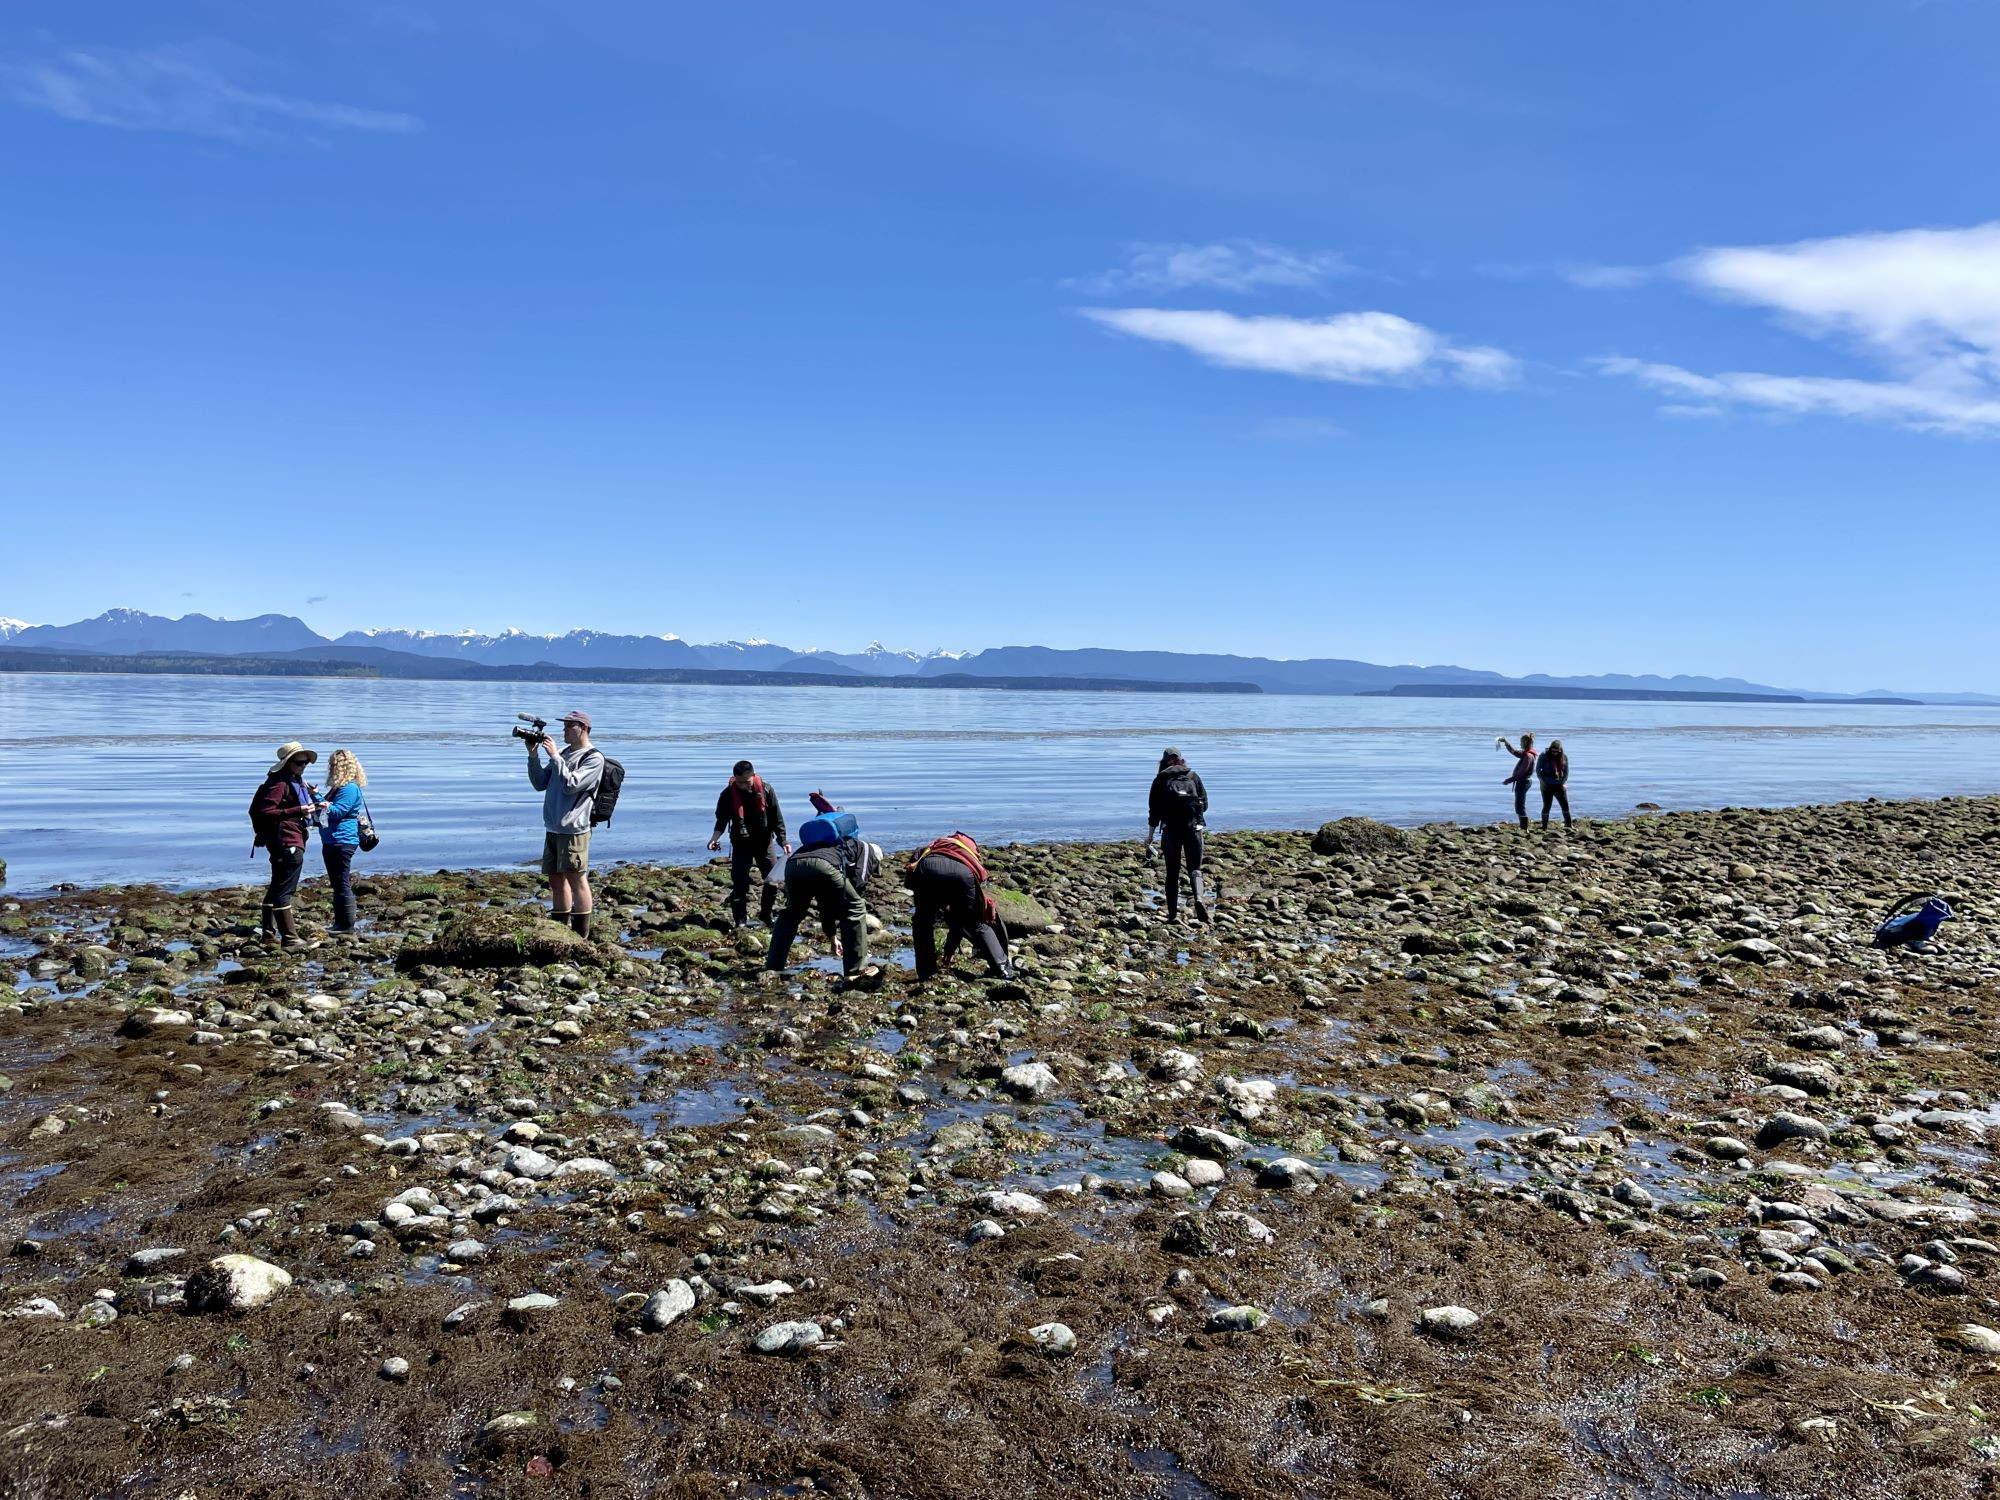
{"points": [[341, 768]]}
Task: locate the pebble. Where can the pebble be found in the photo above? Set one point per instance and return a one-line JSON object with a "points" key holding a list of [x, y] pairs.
{"points": [[1054, 1339], [792, 1339], [667, 1306], [395, 1368], [1241, 1319], [1449, 1321]]}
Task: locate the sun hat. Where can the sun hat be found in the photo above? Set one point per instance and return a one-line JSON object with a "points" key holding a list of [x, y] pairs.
{"points": [[577, 716], [287, 750]]}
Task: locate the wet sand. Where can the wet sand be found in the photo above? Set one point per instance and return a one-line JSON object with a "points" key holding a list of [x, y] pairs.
{"points": [[1710, 1177]]}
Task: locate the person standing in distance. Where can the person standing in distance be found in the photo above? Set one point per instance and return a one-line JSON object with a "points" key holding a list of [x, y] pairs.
{"points": [[1176, 806], [748, 808], [1522, 774], [568, 784], [1553, 770]]}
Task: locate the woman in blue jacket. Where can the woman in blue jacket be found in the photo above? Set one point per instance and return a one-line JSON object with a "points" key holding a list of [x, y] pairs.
{"points": [[340, 835]]}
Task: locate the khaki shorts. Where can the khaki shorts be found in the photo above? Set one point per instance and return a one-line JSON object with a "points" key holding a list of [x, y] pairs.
{"points": [[565, 853]]}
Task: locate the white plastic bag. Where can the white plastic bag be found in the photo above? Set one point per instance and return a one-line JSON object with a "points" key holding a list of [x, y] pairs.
{"points": [[777, 857]]}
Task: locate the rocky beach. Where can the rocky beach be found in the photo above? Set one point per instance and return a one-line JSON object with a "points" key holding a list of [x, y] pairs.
{"points": [[1449, 1162]]}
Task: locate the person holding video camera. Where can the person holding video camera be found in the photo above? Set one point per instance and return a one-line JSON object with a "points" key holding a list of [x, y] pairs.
{"points": [[568, 784]]}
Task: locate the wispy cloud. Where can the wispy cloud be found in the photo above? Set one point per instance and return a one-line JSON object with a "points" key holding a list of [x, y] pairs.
{"points": [[1921, 305], [1356, 348], [1225, 265], [1299, 430], [174, 89]]}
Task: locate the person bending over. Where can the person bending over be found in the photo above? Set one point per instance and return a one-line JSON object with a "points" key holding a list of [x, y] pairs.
{"points": [[949, 881]]}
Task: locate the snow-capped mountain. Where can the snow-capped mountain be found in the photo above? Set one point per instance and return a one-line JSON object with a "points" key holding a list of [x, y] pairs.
{"points": [[131, 631], [876, 661]]}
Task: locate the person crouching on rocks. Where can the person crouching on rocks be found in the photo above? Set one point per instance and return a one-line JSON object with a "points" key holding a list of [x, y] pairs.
{"points": [[830, 871], [1176, 806], [281, 812], [340, 834], [949, 882], [1553, 770], [568, 784], [1522, 774], [748, 808]]}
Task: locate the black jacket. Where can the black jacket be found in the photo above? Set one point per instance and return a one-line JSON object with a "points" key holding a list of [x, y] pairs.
{"points": [[754, 828], [1163, 807]]}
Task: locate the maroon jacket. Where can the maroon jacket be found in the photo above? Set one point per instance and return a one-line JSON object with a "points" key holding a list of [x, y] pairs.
{"points": [[278, 815]]}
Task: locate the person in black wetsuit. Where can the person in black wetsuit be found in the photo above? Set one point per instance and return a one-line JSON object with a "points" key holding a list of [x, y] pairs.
{"points": [[948, 881], [1177, 806], [748, 809]]}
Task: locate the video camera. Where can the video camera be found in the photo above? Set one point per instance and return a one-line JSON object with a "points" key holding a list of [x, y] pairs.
{"points": [[537, 731]]}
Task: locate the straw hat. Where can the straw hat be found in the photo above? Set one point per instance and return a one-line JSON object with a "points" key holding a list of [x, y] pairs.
{"points": [[287, 750]]}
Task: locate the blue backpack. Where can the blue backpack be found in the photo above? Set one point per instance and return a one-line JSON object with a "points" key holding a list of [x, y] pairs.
{"points": [[1903, 926], [827, 829]]}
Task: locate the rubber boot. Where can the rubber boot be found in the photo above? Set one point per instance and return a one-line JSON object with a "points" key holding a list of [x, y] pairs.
{"points": [[579, 922], [267, 923], [1201, 911], [288, 931], [767, 903], [560, 918]]}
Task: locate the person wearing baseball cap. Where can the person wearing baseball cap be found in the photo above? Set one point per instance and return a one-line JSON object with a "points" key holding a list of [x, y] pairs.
{"points": [[568, 784]]}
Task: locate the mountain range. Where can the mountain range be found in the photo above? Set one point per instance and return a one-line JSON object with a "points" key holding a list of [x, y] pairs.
{"points": [[133, 632]]}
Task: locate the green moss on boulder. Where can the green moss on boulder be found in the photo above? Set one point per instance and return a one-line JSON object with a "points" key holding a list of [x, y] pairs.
{"points": [[497, 940]]}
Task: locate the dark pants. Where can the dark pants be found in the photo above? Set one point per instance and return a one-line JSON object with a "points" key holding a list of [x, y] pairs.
{"points": [[741, 858], [1521, 801], [821, 882], [1180, 844], [287, 864], [946, 890], [1555, 791], [339, 861]]}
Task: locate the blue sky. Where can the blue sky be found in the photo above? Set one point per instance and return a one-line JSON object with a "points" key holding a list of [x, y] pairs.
{"points": [[1531, 337]]}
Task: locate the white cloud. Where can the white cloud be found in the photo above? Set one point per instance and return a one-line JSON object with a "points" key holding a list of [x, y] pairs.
{"points": [[1923, 305], [1357, 348], [1228, 265], [171, 89]]}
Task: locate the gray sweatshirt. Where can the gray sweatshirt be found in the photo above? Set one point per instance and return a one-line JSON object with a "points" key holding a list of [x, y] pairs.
{"points": [[568, 784]]}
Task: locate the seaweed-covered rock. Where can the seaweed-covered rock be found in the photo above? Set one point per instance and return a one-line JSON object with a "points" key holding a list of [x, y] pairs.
{"points": [[1023, 914], [1357, 836], [497, 940]]}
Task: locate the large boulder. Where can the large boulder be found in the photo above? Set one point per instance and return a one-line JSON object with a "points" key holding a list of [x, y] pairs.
{"points": [[1357, 836], [497, 939], [1022, 913], [235, 1284]]}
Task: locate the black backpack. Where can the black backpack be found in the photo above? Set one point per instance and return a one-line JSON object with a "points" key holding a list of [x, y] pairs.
{"points": [[1186, 794], [604, 801]]}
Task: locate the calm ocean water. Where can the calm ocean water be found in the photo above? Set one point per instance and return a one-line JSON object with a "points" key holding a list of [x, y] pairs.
{"points": [[124, 779]]}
